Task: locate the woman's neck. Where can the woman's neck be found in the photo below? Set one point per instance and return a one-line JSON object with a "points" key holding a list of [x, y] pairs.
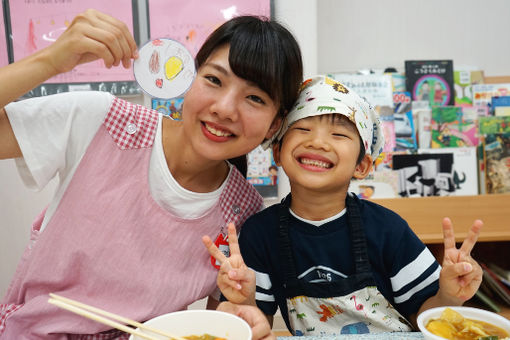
{"points": [[192, 172]]}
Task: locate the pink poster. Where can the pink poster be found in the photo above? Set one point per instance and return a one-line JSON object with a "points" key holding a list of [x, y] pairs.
{"points": [[36, 24], [191, 21], [4, 59]]}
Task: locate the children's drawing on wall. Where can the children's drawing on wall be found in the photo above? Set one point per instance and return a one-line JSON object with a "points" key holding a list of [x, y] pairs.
{"points": [[425, 174], [263, 172], [171, 108], [37, 24], [165, 68]]}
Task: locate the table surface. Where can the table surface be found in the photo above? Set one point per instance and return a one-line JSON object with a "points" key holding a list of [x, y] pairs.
{"points": [[372, 336]]}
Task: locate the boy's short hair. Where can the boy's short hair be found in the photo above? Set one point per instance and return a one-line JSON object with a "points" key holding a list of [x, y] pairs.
{"points": [[321, 95]]}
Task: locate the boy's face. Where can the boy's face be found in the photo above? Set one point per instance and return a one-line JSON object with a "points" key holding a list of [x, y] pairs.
{"points": [[320, 153]]}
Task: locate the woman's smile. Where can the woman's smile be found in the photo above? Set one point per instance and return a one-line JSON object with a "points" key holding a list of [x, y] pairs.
{"points": [[215, 132]]}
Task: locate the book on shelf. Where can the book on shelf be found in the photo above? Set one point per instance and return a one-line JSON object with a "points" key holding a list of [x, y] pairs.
{"points": [[503, 274], [483, 93], [422, 175], [423, 116], [405, 130], [487, 301], [495, 284], [465, 174], [496, 148], [430, 80], [377, 89], [388, 126], [463, 80], [378, 184], [500, 105], [450, 129]]}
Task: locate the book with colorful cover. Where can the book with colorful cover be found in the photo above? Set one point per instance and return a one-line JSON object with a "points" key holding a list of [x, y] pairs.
{"points": [[463, 81], [430, 80], [483, 93], [500, 105], [492, 125], [450, 130], [497, 162], [405, 131], [388, 124]]}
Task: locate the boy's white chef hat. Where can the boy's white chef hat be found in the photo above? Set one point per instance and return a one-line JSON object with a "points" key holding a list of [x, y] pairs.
{"points": [[322, 95]]}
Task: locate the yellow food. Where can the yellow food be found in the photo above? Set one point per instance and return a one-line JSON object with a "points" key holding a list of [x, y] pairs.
{"points": [[203, 337], [452, 325], [173, 67]]}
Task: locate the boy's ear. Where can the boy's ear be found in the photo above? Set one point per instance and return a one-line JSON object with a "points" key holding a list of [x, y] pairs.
{"points": [[275, 126], [363, 168], [276, 154]]}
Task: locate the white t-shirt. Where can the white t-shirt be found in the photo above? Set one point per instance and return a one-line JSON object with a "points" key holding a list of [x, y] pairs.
{"points": [[54, 133]]}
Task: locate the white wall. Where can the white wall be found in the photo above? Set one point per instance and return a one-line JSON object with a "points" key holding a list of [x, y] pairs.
{"points": [[363, 34]]}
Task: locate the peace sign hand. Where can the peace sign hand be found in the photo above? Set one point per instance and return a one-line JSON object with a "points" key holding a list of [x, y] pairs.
{"points": [[461, 275], [235, 280]]}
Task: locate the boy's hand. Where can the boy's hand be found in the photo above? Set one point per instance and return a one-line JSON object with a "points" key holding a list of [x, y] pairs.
{"points": [[235, 280], [461, 275]]}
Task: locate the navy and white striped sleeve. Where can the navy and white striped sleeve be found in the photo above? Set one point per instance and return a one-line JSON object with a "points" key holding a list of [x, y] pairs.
{"points": [[415, 274]]}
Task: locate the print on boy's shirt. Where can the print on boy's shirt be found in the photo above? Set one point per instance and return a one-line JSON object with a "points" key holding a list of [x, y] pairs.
{"points": [[317, 274]]}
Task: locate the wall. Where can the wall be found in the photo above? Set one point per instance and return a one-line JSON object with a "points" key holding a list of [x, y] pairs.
{"points": [[363, 34]]}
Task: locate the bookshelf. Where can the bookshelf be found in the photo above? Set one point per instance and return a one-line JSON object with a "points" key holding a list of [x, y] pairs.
{"points": [[424, 215]]}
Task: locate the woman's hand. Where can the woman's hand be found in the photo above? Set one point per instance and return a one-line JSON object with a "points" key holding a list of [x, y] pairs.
{"points": [[92, 35], [260, 327], [235, 280], [461, 275]]}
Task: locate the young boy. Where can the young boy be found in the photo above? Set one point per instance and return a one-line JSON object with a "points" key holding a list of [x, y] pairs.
{"points": [[332, 263]]}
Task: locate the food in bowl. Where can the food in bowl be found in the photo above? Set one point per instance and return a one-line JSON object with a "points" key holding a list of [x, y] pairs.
{"points": [[463, 323], [203, 337], [199, 324]]}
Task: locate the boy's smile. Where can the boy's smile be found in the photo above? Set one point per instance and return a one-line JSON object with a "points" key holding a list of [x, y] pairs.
{"points": [[314, 162]]}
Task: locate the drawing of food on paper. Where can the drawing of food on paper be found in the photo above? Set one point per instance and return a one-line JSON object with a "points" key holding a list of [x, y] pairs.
{"points": [[165, 68]]}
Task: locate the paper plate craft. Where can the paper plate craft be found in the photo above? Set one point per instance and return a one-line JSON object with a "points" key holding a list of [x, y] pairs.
{"points": [[165, 68]]}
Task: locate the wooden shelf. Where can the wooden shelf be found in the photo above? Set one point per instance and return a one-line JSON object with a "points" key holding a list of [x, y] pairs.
{"points": [[424, 215]]}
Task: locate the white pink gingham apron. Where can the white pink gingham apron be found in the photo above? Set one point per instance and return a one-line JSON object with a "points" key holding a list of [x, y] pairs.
{"points": [[110, 245]]}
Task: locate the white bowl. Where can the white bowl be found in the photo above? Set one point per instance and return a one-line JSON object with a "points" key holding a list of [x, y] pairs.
{"points": [[198, 322], [466, 312]]}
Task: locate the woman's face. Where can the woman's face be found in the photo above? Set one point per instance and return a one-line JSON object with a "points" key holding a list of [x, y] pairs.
{"points": [[226, 116]]}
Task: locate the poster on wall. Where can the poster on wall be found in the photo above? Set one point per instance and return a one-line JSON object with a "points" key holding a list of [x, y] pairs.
{"points": [[262, 172], [191, 21], [4, 57], [35, 24]]}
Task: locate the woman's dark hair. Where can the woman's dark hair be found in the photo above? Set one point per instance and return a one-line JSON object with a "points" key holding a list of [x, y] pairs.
{"points": [[261, 51]]}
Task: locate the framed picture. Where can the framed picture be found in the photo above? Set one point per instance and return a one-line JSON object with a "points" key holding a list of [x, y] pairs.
{"points": [[191, 21], [35, 24], [4, 55]]}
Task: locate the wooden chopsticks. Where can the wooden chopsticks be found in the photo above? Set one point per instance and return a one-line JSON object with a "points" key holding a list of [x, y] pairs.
{"points": [[108, 318]]}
